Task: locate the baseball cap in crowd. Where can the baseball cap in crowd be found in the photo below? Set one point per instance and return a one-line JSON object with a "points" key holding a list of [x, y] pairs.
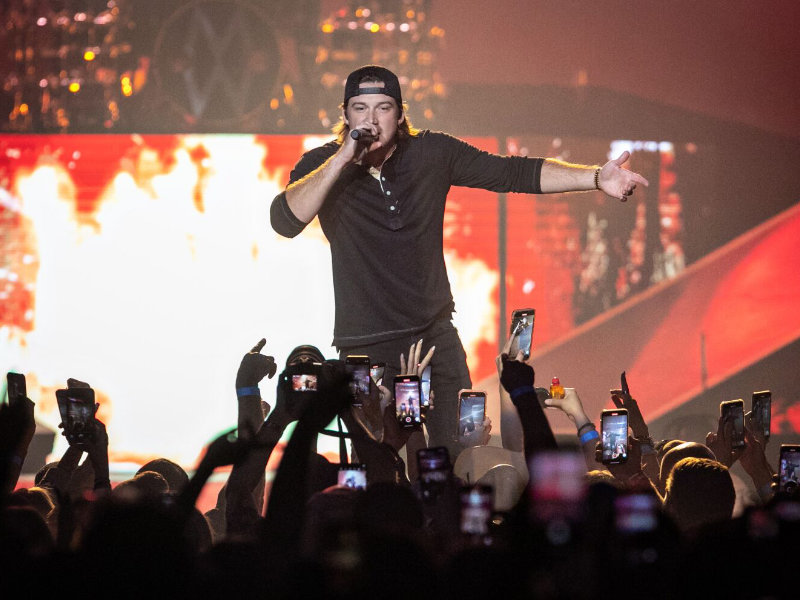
{"points": [[305, 353], [391, 86]]}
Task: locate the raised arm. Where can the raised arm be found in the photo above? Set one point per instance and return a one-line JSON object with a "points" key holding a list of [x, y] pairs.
{"points": [[517, 379], [572, 406], [306, 196], [253, 368], [285, 516], [611, 178], [17, 427]]}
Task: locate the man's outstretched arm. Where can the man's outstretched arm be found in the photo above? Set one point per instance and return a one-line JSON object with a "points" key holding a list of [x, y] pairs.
{"points": [[611, 178]]}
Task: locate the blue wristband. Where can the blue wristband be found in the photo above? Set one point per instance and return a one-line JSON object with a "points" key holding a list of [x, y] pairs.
{"points": [[589, 436], [525, 389], [248, 391]]}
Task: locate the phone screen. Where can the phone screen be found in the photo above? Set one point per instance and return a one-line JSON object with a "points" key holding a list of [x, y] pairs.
{"points": [[733, 411], [614, 427], [353, 476], [433, 463], [407, 400], [471, 411], [76, 407], [789, 467], [376, 372], [557, 484], [636, 513], [476, 509], [522, 330], [425, 385], [762, 411], [305, 382], [434, 471], [359, 369], [17, 388]]}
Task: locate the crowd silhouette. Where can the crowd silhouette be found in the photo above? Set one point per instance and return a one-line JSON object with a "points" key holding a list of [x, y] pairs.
{"points": [[533, 519]]}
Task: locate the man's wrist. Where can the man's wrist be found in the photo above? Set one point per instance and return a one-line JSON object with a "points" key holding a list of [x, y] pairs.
{"points": [[247, 391], [520, 391], [646, 444]]}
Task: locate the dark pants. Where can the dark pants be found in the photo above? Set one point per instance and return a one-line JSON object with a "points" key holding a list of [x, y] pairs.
{"points": [[449, 374]]}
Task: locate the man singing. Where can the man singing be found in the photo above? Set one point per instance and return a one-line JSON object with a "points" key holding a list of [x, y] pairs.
{"points": [[380, 190]]}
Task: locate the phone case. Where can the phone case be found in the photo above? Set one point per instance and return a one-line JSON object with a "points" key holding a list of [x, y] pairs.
{"points": [[471, 411], [407, 394], [614, 436], [734, 410]]}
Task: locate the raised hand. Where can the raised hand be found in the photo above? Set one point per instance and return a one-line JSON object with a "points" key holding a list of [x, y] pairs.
{"points": [[255, 366], [622, 399], [480, 436], [721, 442], [415, 365], [571, 405], [516, 374], [618, 182]]}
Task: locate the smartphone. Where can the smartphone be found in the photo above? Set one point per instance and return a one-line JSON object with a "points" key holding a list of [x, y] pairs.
{"points": [[522, 330], [636, 513], [77, 408], [761, 411], [17, 388], [300, 380], [376, 372], [407, 392], [477, 503], [789, 468], [353, 476], [425, 385], [433, 465], [471, 411], [358, 366], [614, 435], [733, 410], [557, 484], [543, 394]]}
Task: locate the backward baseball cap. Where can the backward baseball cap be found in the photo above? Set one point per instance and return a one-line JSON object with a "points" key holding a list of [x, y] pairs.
{"points": [[391, 86]]}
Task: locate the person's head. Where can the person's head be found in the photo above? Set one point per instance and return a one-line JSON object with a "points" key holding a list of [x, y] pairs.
{"points": [[507, 484], [372, 95], [176, 477], [304, 354], [144, 485], [678, 453], [699, 492], [664, 446]]}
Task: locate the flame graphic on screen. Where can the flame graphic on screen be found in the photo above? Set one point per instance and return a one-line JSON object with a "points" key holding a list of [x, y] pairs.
{"points": [[154, 292]]}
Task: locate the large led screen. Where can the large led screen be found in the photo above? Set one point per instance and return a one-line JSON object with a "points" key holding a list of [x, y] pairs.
{"points": [[146, 266]]}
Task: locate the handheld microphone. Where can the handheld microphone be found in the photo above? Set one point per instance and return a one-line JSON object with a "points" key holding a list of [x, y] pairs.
{"points": [[362, 135]]}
